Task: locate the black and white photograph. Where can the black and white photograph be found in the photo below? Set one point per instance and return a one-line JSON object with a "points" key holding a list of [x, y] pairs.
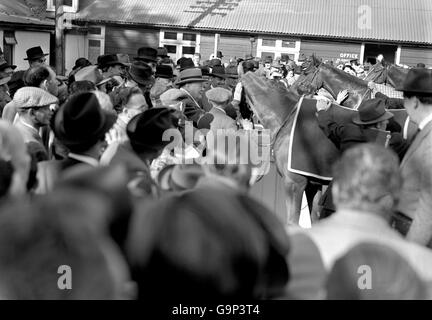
{"points": [[223, 157]]}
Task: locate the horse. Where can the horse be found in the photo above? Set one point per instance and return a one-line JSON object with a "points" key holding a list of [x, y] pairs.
{"points": [[334, 81], [275, 107]]}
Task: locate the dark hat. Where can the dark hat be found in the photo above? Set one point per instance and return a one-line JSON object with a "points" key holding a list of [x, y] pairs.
{"points": [[35, 53], [418, 80], [145, 130], [112, 60], [248, 57], [421, 65], [302, 57], [141, 73], [214, 63], [81, 63], [218, 71], [146, 53], [372, 111], [219, 54], [82, 121], [190, 75], [231, 72], [4, 64], [163, 71], [205, 70], [162, 52], [186, 63]]}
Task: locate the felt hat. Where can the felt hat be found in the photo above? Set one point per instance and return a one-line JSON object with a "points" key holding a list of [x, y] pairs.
{"points": [[145, 130], [218, 71], [81, 63], [82, 121], [231, 72], [372, 111], [215, 62], [185, 63], [163, 71], [418, 80], [162, 52], [190, 75], [141, 73], [147, 54], [4, 64], [219, 54], [35, 53]]}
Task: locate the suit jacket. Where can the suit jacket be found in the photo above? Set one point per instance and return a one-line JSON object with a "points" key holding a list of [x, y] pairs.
{"points": [[33, 141], [416, 196], [221, 120], [336, 235]]}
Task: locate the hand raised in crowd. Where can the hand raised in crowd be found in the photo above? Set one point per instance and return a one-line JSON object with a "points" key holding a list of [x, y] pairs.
{"points": [[342, 96], [246, 124]]}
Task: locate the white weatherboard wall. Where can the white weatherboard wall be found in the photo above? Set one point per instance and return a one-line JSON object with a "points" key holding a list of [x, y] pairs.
{"points": [[75, 48], [26, 40]]}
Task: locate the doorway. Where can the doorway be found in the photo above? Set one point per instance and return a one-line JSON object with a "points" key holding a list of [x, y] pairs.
{"points": [[373, 50]]}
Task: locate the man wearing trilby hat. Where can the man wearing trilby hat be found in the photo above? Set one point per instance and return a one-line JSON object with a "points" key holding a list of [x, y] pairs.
{"points": [[415, 201]]}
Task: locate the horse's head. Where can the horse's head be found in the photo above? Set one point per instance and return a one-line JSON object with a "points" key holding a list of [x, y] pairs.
{"points": [[270, 101]]}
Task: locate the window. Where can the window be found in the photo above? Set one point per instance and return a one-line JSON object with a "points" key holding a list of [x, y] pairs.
{"points": [[70, 6], [180, 44], [170, 36], [95, 30], [189, 36], [278, 48], [288, 43], [188, 50], [171, 49], [9, 42], [94, 50], [269, 43], [95, 42]]}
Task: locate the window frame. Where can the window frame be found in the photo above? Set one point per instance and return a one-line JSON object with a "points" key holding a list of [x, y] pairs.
{"points": [[180, 43], [100, 37], [70, 9], [278, 49]]}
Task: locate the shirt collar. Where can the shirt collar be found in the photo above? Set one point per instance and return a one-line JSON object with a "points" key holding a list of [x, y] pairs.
{"points": [[28, 126], [85, 159], [425, 122]]}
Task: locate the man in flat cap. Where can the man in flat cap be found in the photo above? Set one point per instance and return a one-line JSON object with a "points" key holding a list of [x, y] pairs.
{"points": [[415, 203], [34, 113], [219, 99]]}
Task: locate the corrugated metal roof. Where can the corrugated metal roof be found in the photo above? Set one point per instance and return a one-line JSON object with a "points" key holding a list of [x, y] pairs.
{"points": [[17, 11], [391, 20]]}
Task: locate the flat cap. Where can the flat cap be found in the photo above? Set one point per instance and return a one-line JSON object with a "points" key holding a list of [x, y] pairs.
{"points": [[219, 95], [32, 97]]}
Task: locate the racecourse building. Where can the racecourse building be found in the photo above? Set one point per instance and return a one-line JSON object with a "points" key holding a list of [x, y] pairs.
{"points": [[335, 29]]}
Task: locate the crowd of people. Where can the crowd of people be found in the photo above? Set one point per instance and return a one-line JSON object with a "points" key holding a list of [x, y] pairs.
{"points": [[88, 181]]}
